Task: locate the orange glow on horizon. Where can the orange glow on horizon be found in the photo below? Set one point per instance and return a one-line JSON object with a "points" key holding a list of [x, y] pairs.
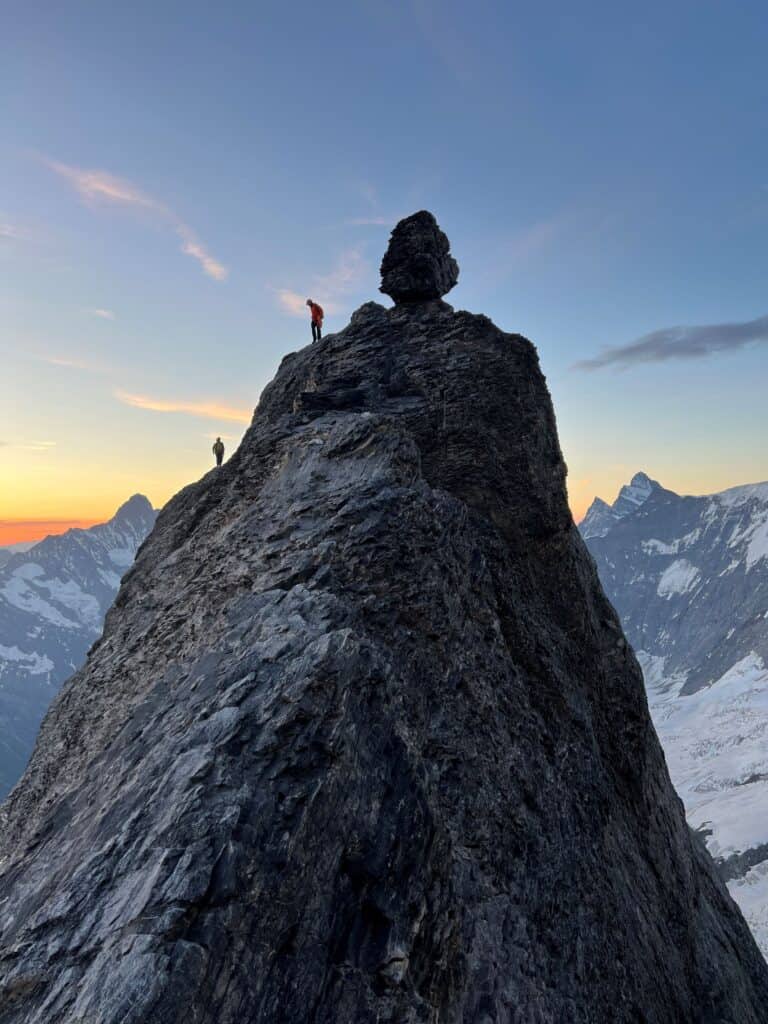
{"points": [[19, 531]]}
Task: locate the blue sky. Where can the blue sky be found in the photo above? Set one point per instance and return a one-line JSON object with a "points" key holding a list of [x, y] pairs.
{"points": [[600, 168]]}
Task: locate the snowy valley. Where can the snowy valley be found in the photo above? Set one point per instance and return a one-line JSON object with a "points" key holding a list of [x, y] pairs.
{"points": [[53, 599], [689, 578]]}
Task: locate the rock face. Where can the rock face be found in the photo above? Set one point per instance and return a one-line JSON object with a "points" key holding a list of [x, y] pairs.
{"points": [[418, 265], [363, 741]]}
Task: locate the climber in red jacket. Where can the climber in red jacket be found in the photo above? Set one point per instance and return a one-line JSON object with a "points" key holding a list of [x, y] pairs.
{"points": [[316, 312]]}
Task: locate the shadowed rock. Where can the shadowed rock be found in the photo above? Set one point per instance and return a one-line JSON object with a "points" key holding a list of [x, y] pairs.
{"points": [[417, 266], [363, 742]]}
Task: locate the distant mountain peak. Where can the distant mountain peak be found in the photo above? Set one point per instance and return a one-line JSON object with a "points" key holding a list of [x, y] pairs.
{"points": [[602, 517], [689, 578], [137, 506], [53, 598]]}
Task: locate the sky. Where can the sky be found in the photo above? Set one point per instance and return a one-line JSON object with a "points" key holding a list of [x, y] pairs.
{"points": [[176, 178]]}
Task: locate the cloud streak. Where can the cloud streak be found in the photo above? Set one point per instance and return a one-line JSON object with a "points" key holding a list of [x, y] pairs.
{"points": [[329, 289], [292, 302], [372, 221], [103, 314], [73, 363], [679, 343], [31, 446], [96, 187], [10, 232], [210, 409]]}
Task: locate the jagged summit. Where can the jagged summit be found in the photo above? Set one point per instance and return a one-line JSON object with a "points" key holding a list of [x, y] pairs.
{"points": [[602, 517], [136, 506], [363, 742], [418, 266]]}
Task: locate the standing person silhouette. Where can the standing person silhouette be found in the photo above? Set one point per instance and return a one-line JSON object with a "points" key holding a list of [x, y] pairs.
{"points": [[218, 450], [316, 312]]}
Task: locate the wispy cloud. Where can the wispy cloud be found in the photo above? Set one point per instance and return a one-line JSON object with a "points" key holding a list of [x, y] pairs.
{"points": [[532, 240], [292, 302], [210, 409], [29, 446], [104, 314], [349, 269], [375, 217], [330, 289], [101, 187], [11, 232], [680, 343], [372, 221], [192, 247], [72, 363]]}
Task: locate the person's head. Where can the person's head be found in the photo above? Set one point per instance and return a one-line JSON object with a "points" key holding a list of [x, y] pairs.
{"points": [[309, 302], [218, 439]]}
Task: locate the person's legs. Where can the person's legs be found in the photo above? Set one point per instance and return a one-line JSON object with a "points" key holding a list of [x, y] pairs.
{"points": [[315, 331], [218, 459]]}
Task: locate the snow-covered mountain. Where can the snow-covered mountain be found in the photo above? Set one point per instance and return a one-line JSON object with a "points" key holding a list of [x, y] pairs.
{"points": [[53, 599], [689, 578], [602, 517]]}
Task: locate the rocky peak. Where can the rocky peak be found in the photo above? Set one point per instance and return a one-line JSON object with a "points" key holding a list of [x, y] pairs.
{"points": [[363, 740], [602, 517], [137, 509], [418, 266]]}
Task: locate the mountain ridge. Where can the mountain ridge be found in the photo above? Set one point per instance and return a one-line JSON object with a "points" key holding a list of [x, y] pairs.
{"points": [[53, 598], [689, 578]]}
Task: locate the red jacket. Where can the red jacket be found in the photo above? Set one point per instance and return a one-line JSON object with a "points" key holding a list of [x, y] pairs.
{"points": [[317, 313]]}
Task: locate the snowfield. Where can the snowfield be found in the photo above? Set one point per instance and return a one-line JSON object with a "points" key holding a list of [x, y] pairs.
{"points": [[699, 625]]}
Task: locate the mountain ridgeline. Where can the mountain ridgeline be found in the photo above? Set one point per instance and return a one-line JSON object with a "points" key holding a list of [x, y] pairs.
{"points": [[689, 578], [363, 741], [53, 599]]}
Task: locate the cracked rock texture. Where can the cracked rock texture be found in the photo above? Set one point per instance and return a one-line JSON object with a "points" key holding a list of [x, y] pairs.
{"points": [[363, 741], [418, 265]]}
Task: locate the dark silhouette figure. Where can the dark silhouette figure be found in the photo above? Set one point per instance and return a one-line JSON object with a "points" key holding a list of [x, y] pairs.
{"points": [[316, 312], [218, 450]]}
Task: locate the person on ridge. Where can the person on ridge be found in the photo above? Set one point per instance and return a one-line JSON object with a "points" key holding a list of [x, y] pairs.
{"points": [[316, 312], [218, 450]]}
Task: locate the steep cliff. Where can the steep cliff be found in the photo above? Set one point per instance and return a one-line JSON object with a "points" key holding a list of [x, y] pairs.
{"points": [[363, 740]]}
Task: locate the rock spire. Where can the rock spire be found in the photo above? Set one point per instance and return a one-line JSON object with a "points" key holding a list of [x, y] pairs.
{"points": [[418, 266]]}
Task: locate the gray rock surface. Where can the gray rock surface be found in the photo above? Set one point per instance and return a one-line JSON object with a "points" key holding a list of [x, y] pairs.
{"points": [[418, 265], [363, 741]]}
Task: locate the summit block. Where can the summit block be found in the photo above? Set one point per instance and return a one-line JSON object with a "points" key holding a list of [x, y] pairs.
{"points": [[418, 266]]}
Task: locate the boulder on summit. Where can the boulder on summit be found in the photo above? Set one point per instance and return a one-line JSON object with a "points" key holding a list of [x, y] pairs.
{"points": [[418, 266]]}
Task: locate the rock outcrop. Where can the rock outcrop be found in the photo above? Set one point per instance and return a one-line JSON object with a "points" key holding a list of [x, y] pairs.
{"points": [[363, 740], [418, 266]]}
